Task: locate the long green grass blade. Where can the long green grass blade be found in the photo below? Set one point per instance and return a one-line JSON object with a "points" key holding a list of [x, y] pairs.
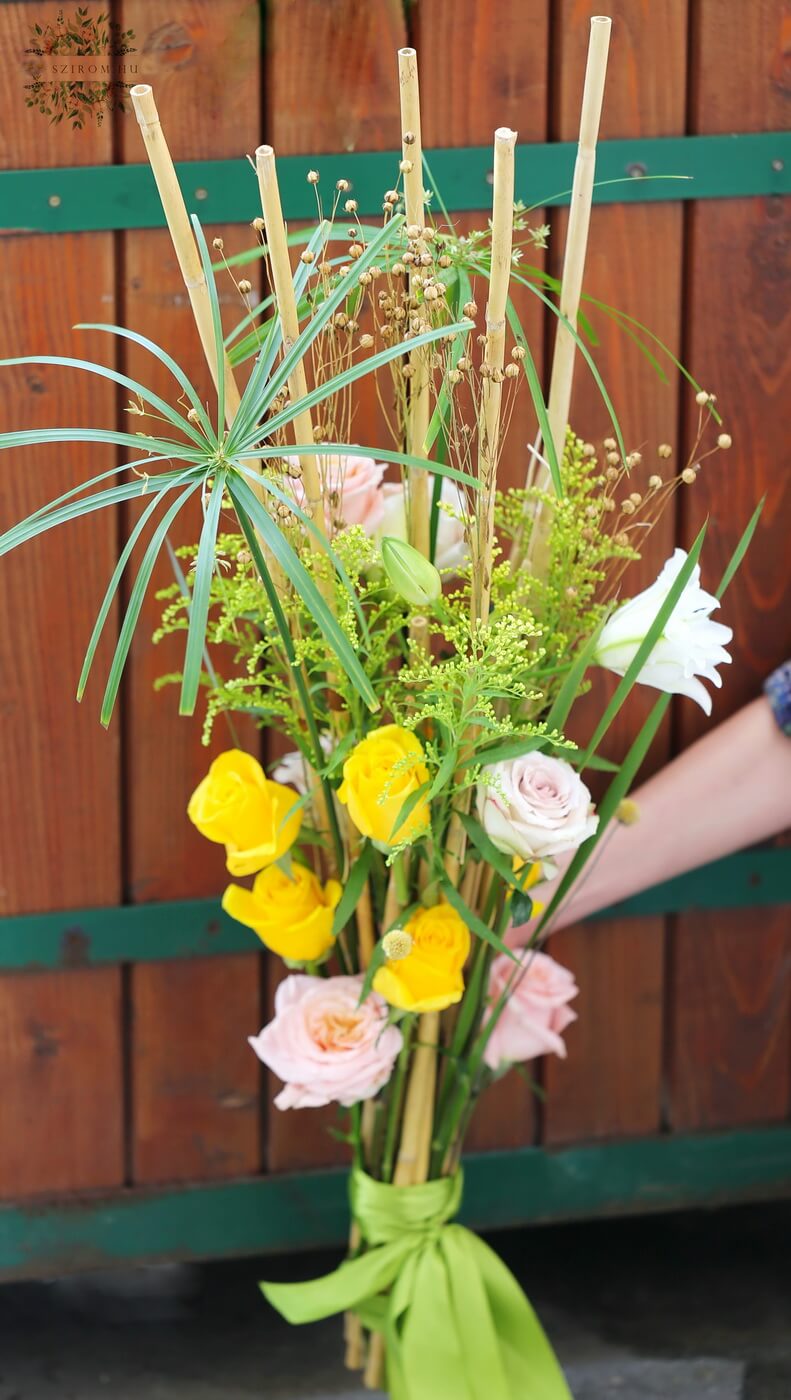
{"points": [[216, 318], [382, 454], [136, 602], [92, 481], [38, 525], [473, 922], [551, 448], [294, 569], [165, 359], [741, 548], [572, 681], [39, 437], [352, 889], [201, 590], [663, 615], [176, 419]]}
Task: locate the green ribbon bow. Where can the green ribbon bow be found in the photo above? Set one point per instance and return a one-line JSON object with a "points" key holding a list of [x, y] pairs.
{"points": [[456, 1323]]}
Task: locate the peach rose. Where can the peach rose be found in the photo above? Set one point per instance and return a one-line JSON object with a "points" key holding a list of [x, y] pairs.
{"points": [[358, 483], [324, 1045], [536, 1013]]}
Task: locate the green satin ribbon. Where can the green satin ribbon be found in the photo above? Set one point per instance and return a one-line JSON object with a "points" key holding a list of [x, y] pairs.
{"points": [[456, 1323]]}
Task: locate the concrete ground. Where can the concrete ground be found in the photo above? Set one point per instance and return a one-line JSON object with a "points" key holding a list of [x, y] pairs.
{"points": [[684, 1307]]}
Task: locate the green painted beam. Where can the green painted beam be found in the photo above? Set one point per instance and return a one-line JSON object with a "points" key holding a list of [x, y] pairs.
{"points": [[225, 191], [196, 928], [271, 1214]]}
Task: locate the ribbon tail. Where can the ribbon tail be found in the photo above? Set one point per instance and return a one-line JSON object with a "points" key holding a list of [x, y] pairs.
{"points": [[346, 1288]]}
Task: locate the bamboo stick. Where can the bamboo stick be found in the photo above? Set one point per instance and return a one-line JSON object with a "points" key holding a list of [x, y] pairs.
{"points": [[280, 265], [418, 505], [564, 356], [494, 356]]}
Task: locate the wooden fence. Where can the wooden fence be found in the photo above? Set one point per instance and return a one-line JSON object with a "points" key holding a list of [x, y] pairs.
{"points": [[122, 1074]]}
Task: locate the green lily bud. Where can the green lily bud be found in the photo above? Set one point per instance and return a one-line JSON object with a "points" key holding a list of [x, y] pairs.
{"points": [[412, 576]]}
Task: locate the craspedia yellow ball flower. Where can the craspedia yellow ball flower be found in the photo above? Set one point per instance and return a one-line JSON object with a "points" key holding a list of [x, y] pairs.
{"points": [[292, 914], [380, 773], [237, 805], [430, 977]]}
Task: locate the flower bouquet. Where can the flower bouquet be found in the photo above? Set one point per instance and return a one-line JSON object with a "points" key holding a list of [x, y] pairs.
{"points": [[421, 642]]}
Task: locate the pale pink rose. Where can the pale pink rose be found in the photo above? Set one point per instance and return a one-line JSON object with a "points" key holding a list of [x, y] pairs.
{"points": [[536, 1013], [535, 807], [358, 483], [324, 1045]]}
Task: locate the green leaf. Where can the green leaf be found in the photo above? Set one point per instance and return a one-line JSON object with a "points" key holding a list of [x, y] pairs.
{"points": [[39, 524], [382, 454], [201, 590], [663, 615], [38, 437], [216, 318], [148, 396], [473, 922], [405, 811], [521, 908], [551, 448], [165, 359], [136, 602], [507, 748], [353, 888], [741, 548], [295, 570], [572, 681]]}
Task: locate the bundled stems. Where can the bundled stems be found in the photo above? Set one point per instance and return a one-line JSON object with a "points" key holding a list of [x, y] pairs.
{"points": [[571, 289], [418, 512]]}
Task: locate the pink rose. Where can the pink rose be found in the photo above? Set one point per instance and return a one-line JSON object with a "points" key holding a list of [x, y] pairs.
{"points": [[536, 1013], [358, 484], [324, 1045]]}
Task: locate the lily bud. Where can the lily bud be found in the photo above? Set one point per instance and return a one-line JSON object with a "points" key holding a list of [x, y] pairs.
{"points": [[412, 576]]}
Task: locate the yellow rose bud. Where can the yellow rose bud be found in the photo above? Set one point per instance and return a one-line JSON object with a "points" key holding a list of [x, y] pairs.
{"points": [[430, 977], [381, 772], [291, 915], [237, 805]]}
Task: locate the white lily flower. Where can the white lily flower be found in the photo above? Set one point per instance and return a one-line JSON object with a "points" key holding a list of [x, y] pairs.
{"points": [[691, 646]]}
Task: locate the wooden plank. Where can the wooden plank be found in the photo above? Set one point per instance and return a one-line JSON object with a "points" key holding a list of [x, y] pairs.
{"points": [[604, 1087], [61, 1077], [729, 1060], [497, 78], [193, 1079], [359, 112]]}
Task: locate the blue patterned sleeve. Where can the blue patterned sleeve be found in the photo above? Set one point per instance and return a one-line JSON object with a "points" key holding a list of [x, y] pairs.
{"points": [[777, 689]]}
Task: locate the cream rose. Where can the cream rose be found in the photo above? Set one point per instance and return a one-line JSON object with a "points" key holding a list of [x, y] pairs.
{"points": [[535, 807]]}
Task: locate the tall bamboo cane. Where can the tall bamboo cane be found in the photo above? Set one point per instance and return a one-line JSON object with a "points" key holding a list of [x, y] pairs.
{"points": [[418, 515], [573, 267]]}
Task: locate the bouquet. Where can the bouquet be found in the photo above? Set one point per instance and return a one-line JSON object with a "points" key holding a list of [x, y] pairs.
{"points": [[420, 638]]}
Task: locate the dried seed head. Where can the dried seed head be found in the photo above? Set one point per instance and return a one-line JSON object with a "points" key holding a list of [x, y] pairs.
{"points": [[245, 286], [407, 371], [485, 371], [612, 474], [350, 207], [193, 416], [307, 257], [628, 507], [408, 138], [665, 450], [470, 309], [293, 467], [313, 177], [571, 592], [613, 458], [405, 166], [340, 318], [725, 441], [634, 459], [365, 279], [654, 482], [702, 398], [397, 944], [398, 269], [610, 444], [342, 185], [352, 326], [518, 352], [635, 498], [258, 224], [455, 376], [622, 539], [244, 557], [588, 450], [463, 363], [355, 250], [688, 475], [426, 259], [497, 375], [480, 340], [408, 257], [431, 293], [441, 288], [218, 244], [445, 261], [344, 270], [413, 232], [588, 534], [391, 196], [365, 342], [608, 503], [512, 371], [591, 511]]}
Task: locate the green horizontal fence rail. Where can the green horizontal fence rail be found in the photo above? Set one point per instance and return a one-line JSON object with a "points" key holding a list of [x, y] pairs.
{"points": [[308, 1210], [85, 198], [194, 928]]}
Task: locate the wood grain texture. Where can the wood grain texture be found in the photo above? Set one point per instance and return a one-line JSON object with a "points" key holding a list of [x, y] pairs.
{"points": [[60, 1080], [194, 1078], [729, 995], [606, 1087], [349, 68]]}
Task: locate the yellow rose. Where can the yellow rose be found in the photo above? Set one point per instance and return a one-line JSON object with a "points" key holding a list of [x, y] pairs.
{"points": [[255, 819], [292, 916], [430, 977], [381, 772]]}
